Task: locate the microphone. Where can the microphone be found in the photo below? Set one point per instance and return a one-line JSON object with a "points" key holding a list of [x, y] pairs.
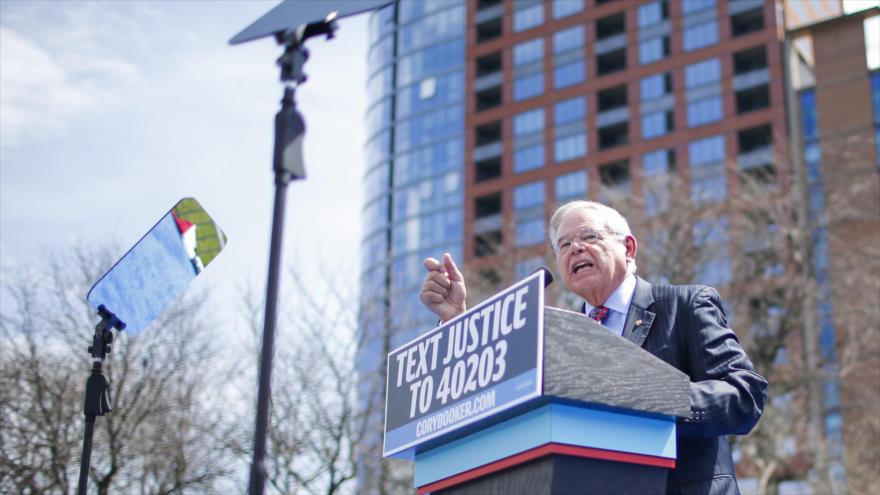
{"points": [[548, 275]]}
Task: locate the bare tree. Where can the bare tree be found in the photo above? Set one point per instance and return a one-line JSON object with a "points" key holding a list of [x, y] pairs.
{"points": [[315, 422], [160, 435]]}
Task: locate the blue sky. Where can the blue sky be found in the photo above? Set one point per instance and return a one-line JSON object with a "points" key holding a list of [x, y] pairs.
{"points": [[110, 112]]}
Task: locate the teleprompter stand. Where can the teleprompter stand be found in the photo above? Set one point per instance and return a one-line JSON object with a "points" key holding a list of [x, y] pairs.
{"points": [[287, 165], [97, 398]]}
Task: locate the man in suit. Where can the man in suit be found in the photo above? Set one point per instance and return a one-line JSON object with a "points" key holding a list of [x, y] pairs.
{"points": [[682, 325]]}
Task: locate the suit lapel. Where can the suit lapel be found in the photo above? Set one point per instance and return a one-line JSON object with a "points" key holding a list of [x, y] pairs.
{"points": [[639, 319]]}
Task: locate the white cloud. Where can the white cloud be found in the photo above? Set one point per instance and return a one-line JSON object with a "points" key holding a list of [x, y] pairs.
{"points": [[49, 78]]}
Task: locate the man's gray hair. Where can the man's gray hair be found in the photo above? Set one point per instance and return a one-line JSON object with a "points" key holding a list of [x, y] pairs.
{"points": [[610, 219]]}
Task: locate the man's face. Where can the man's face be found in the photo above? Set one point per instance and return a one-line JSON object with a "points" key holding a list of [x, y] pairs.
{"points": [[592, 270]]}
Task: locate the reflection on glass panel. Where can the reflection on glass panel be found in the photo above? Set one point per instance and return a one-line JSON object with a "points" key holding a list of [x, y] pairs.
{"points": [[432, 126], [432, 60], [568, 39], [528, 86], [655, 86], [700, 36], [413, 10], [705, 111], [380, 54], [528, 195], [565, 8], [571, 185], [653, 49], [569, 74], [436, 27], [150, 276], [528, 17], [528, 51], [704, 72], [706, 151], [529, 232], [691, 6], [528, 158], [528, 122], [655, 124], [569, 110], [569, 147], [429, 93], [651, 13], [429, 160]]}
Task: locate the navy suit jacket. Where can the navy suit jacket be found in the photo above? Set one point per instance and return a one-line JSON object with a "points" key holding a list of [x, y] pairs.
{"points": [[685, 326]]}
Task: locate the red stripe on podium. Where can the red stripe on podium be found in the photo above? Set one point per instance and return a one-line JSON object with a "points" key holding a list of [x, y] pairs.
{"points": [[544, 450]]}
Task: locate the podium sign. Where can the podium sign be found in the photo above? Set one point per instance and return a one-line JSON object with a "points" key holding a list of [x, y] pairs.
{"points": [[484, 361]]}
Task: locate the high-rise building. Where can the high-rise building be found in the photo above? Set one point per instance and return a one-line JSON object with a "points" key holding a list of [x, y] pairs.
{"points": [[717, 127]]}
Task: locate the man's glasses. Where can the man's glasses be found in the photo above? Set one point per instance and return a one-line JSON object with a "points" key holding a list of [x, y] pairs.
{"points": [[585, 236]]}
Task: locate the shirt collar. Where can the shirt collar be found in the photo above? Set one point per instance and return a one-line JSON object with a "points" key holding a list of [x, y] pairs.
{"points": [[620, 299]]}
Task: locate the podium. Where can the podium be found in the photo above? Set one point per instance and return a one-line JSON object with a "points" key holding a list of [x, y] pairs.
{"points": [[603, 422]]}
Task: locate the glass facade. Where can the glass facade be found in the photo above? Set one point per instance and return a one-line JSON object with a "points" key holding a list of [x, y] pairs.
{"points": [[415, 166], [708, 179], [827, 334]]}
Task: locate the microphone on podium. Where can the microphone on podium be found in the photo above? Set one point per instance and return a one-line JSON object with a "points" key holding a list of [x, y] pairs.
{"points": [[548, 275]]}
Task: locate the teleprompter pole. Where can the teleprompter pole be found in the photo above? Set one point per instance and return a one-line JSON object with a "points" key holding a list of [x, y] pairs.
{"points": [[97, 397], [287, 165]]}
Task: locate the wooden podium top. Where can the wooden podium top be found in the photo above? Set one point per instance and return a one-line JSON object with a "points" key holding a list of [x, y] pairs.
{"points": [[584, 362]]}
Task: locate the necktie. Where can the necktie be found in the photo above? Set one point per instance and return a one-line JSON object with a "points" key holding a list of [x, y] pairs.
{"points": [[599, 313]]}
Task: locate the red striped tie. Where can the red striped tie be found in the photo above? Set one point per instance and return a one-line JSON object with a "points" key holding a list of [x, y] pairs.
{"points": [[599, 313]]}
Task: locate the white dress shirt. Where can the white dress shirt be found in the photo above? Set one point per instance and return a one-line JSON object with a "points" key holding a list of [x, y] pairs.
{"points": [[617, 304]]}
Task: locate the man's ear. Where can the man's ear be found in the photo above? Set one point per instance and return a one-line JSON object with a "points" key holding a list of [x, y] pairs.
{"points": [[631, 247]]}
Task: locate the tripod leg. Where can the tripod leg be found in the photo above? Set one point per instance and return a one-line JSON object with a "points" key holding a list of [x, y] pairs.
{"points": [[86, 455]]}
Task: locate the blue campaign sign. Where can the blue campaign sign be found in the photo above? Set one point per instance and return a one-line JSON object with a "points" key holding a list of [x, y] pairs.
{"points": [[484, 361]]}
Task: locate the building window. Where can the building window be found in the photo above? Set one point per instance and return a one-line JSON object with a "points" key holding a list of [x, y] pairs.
{"points": [[528, 205], [751, 79], [701, 73], [705, 111], [653, 49], [610, 44], [708, 179], [528, 17], [528, 122], [528, 195], [528, 158], [568, 39], [701, 35], [615, 181], [747, 22], [570, 140], [652, 13], [569, 147], [570, 110], [528, 86], [708, 108], [528, 77], [657, 124], [656, 86], [658, 171], [568, 57], [569, 74], [615, 176], [692, 6], [529, 232], [528, 51], [571, 186], [565, 8]]}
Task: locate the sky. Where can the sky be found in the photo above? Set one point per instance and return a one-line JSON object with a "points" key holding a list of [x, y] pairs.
{"points": [[110, 112]]}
